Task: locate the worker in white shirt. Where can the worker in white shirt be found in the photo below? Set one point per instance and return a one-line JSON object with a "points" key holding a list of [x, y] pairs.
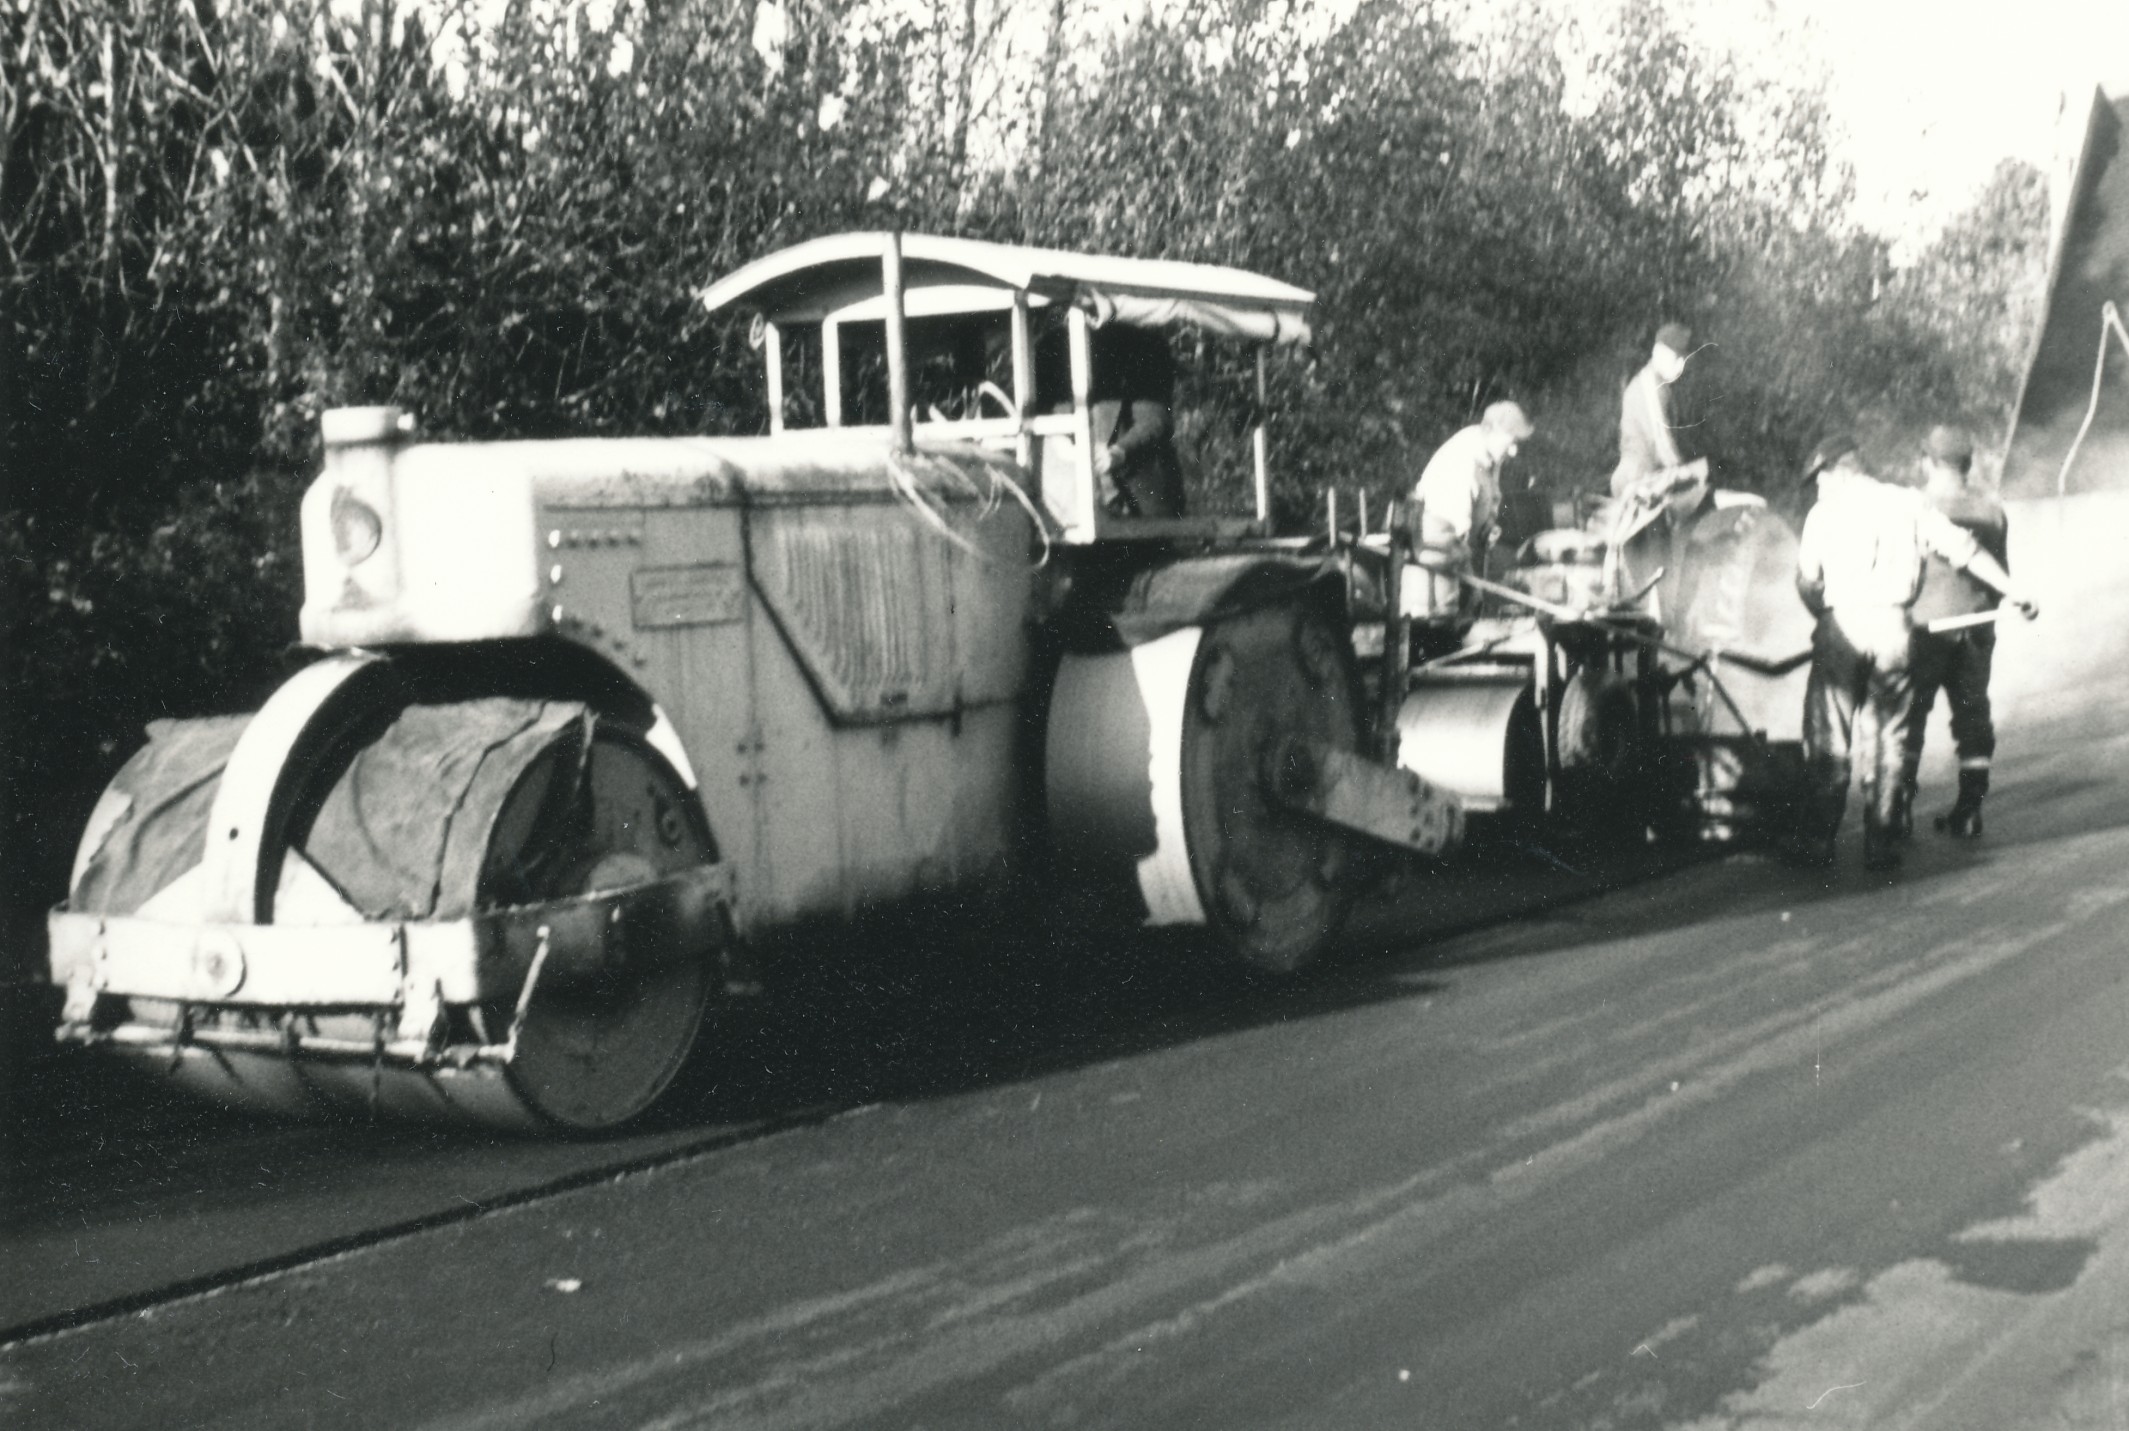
{"points": [[1457, 501], [1859, 568]]}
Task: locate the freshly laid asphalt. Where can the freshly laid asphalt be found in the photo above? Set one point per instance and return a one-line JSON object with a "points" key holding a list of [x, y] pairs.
{"points": [[1735, 1145]]}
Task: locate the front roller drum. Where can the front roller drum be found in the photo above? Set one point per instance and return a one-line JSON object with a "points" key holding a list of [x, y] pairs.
{"points": [[1161, 772], [504, 817]]}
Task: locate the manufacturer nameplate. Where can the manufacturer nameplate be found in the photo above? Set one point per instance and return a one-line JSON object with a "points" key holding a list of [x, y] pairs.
{"points": [[687, 596]]}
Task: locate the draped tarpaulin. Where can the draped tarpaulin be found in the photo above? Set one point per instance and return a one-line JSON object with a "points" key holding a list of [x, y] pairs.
{"points": [[401, 829]]}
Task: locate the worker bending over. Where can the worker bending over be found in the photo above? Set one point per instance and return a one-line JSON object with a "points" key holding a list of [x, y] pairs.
{"points": [[1956, 660], [1859, 568], [1456, 503]]}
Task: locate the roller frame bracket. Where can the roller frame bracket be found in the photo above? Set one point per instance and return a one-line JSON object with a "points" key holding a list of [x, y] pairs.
{"points": [[1347, 789], [241, 819], [408, 971]]}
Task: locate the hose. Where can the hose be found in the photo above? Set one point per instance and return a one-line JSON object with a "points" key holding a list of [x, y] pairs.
{"points": [[905, 469], [2110, 318]]}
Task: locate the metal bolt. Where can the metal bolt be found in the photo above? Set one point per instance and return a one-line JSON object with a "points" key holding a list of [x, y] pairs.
{"points": [[554, 537], [554, 574]]}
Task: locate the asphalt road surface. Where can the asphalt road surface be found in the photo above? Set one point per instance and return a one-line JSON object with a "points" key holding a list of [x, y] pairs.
{"points": [[1736, 1146]]}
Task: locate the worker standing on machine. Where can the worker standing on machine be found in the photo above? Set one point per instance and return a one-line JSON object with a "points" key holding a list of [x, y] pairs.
{"points": [[1859, 568], [1655, 490], [1455, 504], [1651, 462], [1957, 660]]}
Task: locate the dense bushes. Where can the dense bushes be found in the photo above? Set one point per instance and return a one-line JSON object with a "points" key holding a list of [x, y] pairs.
{"points": [[215, 223]]}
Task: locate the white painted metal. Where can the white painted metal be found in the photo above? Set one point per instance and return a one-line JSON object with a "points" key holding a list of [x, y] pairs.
{"points": [[832, 373], [243, 803], [772, 356], [1114, 767], [1086, 497]]}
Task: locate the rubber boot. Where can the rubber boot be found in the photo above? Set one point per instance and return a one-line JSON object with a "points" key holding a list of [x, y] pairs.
{"points": [[1880, 852], [1963, 820], [1902, 824]]}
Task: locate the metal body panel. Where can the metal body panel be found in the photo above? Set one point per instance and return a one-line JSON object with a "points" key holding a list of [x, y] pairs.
{"points": [[1476, 737], [845, 678]]}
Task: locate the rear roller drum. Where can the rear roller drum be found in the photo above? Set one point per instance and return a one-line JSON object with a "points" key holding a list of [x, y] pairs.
{"points": [[1161, 767]]}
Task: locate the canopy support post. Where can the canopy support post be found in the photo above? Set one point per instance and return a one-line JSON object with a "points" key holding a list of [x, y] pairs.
{"points": [[772, 355], [897, 346], [1086, 506], [832, 373], [1023, 378], [1259, 442]]}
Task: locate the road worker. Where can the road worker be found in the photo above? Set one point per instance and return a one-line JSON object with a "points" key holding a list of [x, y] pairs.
{"points": [[1456, 503], [1656, 490], [1859, 568], [1132, 406], [1956, 660], [1652, 465]]}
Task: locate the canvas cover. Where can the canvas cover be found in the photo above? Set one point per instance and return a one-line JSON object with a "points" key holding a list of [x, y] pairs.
{"points": [[401, 831]]}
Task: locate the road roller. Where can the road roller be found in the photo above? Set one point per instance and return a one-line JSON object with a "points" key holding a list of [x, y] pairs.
{"points": [[593, 727]]}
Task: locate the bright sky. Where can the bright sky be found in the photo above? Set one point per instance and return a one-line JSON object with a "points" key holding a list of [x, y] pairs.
{"points": [[1931, 94]]}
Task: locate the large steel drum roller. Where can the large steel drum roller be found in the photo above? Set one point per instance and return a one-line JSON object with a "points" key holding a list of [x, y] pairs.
{"points": [[1162, 764], [541, 854]]}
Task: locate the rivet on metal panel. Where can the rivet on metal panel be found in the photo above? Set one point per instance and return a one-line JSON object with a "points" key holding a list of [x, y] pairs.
{"points": [[554, 537], [554, 574], [557, 613]]}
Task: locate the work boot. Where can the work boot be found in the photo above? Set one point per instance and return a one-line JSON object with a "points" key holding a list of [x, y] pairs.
{"points": [[1963, 820], [1901, 827]]}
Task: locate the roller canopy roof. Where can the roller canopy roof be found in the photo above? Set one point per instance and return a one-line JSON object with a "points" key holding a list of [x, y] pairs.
{"points": [[824, 276]]}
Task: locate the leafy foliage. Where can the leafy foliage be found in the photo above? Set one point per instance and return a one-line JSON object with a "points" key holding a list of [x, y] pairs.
{"points": [[216, 221]]}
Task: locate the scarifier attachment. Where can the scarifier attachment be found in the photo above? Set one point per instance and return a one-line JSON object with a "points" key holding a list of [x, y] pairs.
{"points": [[500, 910]]}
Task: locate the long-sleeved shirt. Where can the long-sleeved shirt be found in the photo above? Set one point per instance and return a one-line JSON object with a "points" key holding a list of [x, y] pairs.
{"points": [[1865, 541], [1459, 492], [1949, 591], [1648, 440]]}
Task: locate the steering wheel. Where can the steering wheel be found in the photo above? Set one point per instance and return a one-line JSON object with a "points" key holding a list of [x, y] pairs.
{"points": [[989, 389]]}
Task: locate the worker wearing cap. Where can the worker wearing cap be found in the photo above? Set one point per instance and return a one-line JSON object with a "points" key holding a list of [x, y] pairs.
{"points": [[1956, 660], [1457, 500], [1859, 568], [1656, 491], [1650, 460]]}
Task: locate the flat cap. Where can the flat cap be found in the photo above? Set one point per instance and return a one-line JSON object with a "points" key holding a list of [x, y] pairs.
{"points": [[1675, 336], [1829, 451], [1510, 418], [1950, 444]]}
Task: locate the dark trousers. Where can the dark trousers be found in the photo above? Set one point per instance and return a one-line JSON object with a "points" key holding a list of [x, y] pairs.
{"points": [[1856, 711], [1957, 663]]}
